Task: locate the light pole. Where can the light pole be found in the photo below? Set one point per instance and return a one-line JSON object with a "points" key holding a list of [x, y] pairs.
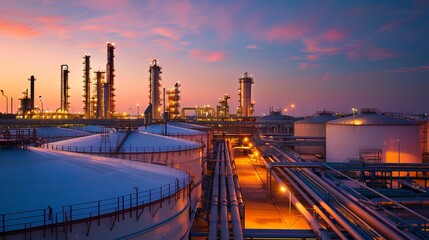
{"points": [[7, 101], [293, 108], [138, 110], [399, 160], [41, 103]]}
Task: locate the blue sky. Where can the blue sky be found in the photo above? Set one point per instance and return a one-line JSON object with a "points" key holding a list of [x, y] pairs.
{"points": [[331, 55]]}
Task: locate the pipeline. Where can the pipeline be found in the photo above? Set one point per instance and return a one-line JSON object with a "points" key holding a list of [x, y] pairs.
{"points": [[237, 186], [314, 224], [224, 228], [235, 214], [334, 214], [214, 200], [379, 223]]}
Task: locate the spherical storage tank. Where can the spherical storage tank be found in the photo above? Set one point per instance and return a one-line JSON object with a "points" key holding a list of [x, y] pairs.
{"points": [[373, 137], [314, 126], [48, 194]]}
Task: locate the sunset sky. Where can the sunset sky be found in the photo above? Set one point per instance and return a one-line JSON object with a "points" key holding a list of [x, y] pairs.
{"points": [[331, 55]]}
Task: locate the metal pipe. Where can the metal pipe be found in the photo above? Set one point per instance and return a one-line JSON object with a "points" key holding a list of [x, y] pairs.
{"points": [[314, 224], [377, 222], [334, 214], [235, 214], [224, 229], [214, 201]]}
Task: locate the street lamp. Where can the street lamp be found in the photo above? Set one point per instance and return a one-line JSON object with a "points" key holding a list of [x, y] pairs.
{"points": [[399, 160], [293, 108], [7, 101], [41, 103], [138, 110]]}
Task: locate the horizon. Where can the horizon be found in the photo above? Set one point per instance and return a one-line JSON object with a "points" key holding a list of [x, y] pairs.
{"points": [[333, 55]]}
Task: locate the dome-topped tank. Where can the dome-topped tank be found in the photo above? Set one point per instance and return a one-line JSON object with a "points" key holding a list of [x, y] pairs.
{"points": [[313, 127], [275, 123], [52, 134], [370, 136], [92, 197]]}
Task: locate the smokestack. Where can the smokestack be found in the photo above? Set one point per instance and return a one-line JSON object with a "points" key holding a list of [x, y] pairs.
{"points": [[65, 88], [86, 95], [32, 79]]}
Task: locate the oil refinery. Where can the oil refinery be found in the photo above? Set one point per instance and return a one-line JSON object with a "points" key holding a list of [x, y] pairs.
{"points": [[201, 172]]}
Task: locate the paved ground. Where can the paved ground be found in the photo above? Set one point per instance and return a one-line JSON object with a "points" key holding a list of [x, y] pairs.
{"points": [[264, 210]]}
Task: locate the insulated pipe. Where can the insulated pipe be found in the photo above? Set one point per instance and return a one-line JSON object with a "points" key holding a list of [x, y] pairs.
{"points": [[214, 200], [314, 224], [379, 223], [224, 228], [235, 214], [403, 200], [237, 189], [334, 214]]}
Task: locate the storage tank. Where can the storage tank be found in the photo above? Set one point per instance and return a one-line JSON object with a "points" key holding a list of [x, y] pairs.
{"points": [[47, 194], [177, 153], [372, 137], [53, 134], [179, 132], [313, 127], [206, 129]]}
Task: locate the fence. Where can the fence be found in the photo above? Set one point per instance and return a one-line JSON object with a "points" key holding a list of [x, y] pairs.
{"points": [[44, 218]]}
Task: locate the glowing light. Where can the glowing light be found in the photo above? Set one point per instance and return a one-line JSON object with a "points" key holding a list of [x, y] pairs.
{"points": [[283, 188], [246, 139]]}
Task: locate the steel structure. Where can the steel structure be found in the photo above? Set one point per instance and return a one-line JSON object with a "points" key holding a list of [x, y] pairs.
{"points": [[245, 108], [223, 106], [99, 98], [65, 88], [154, 90], [174, 101], [86, 95], [32, 79], [109, 97]]}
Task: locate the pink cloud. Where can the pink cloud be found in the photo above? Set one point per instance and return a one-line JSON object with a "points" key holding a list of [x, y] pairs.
{"points": [[424, 67], [410, 69], [17, 30], [286, 33], [305, 66], [208, 56], [165, 32], [333, 35], [373, 53], [393, 24], [319, 47], [167, 44], [252, 46], [312, 57]]}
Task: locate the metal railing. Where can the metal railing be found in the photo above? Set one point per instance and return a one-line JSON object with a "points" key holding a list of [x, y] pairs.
{"points": [[24, 221]]}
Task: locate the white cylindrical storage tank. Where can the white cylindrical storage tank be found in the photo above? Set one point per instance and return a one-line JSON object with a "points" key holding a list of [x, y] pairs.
{"points": [[313, 127], [373, 137], [177, 153], [201, 128], [47, 194], [53, 134], [179, 132]]}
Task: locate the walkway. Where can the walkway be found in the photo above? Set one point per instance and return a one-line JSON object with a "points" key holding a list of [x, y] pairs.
{"points": [[262, 210]]}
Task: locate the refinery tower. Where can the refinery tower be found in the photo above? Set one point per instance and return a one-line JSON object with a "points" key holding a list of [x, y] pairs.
{"points": [[109, 101], [245, 108], [154, 108]]}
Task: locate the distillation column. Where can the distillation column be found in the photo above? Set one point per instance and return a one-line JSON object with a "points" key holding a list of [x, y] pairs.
{"points": [[154, 89], [245, 108], [98, 100], [86, 95], [109, 98], [64, 88]]}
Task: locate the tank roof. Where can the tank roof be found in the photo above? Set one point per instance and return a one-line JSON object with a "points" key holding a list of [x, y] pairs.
{"points": [[371, 119], [317, 119], [137, 141], [171, 130], [275, 117], [56, 179], [59, 131]]}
